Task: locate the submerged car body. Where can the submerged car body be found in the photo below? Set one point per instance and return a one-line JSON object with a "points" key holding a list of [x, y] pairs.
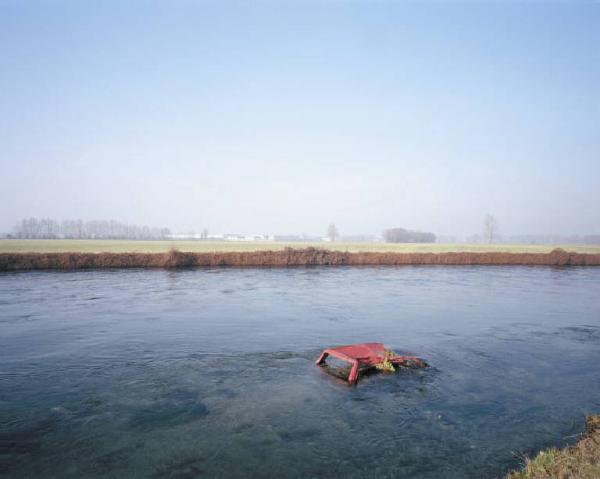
{"points": [[369, 355]]}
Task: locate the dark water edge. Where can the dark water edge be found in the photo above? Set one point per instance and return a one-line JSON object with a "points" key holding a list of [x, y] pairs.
{"points": [[209, 372]]}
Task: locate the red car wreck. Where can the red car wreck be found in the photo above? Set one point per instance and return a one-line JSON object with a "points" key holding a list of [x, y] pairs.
{"points": [[369, 355]]}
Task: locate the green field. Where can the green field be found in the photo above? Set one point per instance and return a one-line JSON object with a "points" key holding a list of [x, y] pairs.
{"points": [[117, 246]]}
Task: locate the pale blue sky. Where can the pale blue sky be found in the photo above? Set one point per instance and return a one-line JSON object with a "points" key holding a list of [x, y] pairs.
{"points": [[282, 117]]}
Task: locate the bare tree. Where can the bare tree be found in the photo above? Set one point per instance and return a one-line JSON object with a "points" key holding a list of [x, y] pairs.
{"points": [[490, 228], [204, 234], [332, 232]]}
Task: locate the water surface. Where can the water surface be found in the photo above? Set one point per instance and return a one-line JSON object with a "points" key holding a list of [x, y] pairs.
{"points": [[209, 373]]}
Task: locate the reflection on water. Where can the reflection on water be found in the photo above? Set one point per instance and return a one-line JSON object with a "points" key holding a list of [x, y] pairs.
{"points": [[209, 373]]}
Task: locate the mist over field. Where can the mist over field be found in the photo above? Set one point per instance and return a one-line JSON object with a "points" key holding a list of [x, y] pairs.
{"points": [[283, 118]]}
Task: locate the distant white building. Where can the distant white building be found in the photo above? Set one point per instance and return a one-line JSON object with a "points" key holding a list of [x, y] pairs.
{"points": [[233, 237], [260, 238], [255, 237], [185, 236]]}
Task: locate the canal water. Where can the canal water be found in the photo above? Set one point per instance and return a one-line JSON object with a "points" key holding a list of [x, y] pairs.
{"points": [[209, 373]]}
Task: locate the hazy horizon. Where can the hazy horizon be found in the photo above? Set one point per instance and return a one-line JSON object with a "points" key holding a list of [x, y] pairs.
{"points": [[252, 118]]}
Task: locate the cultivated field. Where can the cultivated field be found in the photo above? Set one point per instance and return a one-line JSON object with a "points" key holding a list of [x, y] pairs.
{"points": [[117, 246]]}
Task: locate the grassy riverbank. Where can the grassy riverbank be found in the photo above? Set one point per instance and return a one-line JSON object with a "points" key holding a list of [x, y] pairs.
{"points": [[118, 246], [580, 461]]}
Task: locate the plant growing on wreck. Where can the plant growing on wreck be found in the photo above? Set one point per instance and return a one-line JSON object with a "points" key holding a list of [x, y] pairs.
{"points": [[386, 365]]}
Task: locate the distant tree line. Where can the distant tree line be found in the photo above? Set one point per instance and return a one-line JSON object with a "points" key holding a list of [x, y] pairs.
{"points": [[46, 228], [401, 235]]}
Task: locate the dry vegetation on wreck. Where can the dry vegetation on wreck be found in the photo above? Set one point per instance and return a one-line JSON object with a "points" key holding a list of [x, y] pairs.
{"points": [[286, 257], [580, 461]]}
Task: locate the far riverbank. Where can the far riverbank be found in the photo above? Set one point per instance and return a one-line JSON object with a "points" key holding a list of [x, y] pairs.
{"points": [[283, 258]]}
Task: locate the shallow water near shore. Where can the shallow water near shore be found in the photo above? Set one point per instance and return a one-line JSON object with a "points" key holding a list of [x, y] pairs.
{"points": [[209, 372]]}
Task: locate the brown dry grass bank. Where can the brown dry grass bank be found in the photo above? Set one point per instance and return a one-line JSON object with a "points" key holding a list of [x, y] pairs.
{"points": [[287, 257], [580, 461]]}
